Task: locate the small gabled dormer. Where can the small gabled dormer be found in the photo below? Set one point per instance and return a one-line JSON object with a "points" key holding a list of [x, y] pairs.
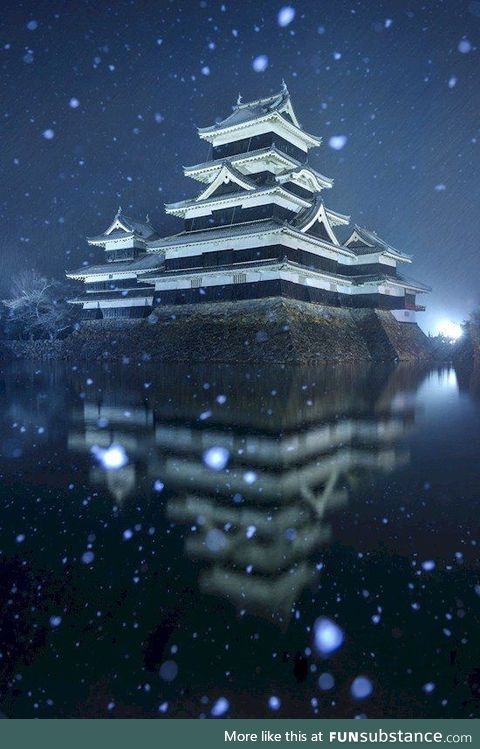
{"points": [[356, 241], [365, 242], [318, 221], [228, 180], [125, 238]]}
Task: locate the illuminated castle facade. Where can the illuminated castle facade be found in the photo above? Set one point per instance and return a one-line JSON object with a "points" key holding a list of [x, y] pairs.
{"points": [[259, 227]]}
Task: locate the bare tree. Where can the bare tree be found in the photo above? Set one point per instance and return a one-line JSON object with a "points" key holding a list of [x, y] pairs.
{"points": [[36, 307]]}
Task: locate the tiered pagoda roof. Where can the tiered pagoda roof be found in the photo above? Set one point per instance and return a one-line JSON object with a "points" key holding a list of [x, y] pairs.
{"points": [[142, 265], [203, 171], [274, 109], [259, 226]]}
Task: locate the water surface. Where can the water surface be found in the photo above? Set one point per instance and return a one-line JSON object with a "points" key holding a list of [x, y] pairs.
{"points": [[190, 563]]}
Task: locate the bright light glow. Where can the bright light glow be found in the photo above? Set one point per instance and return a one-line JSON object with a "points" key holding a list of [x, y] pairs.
{"points": [[450, 329], [113, 458]]}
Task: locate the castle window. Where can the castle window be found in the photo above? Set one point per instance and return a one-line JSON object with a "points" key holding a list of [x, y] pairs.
{"points": [[195, 283], [239, 278]]}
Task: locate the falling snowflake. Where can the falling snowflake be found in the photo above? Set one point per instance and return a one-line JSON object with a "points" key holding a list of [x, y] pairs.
{"points": [[326, 682], [361, 688], [113, 458], [328, 636], [220, 707], [215, 540], [260, 63], [337, 142], [216, 458], [168, 671], [286, 15], [464, 46], [274, 703]]}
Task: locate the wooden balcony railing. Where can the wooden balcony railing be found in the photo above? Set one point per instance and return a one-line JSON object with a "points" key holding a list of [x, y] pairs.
{"points": [[415, 307]]}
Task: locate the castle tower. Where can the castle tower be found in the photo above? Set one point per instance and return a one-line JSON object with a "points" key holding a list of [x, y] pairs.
{"points": [[259, 227]]}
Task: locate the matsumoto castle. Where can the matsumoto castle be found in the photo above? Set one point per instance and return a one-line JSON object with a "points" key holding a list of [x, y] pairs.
{"points": [[259, 227]]}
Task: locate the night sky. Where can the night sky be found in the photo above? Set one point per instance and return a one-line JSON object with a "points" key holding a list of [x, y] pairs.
{"points": [[100, 102]]}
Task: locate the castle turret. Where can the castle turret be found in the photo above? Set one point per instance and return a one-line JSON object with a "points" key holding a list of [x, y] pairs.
{"points": [[115, 288]]}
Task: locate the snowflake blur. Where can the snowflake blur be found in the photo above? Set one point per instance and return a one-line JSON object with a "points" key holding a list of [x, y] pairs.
{"points": [[112, 458], [328, 636]]}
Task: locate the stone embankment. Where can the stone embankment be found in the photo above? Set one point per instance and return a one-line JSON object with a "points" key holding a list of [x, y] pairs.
{"points": [[264, 331]]}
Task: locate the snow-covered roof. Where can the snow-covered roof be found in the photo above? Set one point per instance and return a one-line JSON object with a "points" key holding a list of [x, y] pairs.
{"points": [[217, 232], [148, 261], [251, 110], [364, 241], [244, 156], [305, 173], [398, 280], [227, 174], [244, 113], [135, 293], [319, 212], [123, 227], [258, 190]]}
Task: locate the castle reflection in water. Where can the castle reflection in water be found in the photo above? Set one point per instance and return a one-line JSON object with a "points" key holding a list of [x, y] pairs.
{"points": [[299, 441]]}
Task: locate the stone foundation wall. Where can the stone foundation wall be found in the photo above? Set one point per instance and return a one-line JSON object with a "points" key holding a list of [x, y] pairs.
{"points": [[268, 330], [404, 341]]}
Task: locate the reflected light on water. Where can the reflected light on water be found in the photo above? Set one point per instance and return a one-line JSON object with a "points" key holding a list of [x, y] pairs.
{"points": [[317, 517], [439, 385]]}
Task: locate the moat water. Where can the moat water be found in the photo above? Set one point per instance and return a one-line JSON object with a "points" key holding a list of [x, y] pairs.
{"points": [[242, 542]]}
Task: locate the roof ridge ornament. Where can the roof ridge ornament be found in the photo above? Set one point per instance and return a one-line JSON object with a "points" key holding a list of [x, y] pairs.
{"points": [[284, 86], [239, 99], [119, 210]]}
